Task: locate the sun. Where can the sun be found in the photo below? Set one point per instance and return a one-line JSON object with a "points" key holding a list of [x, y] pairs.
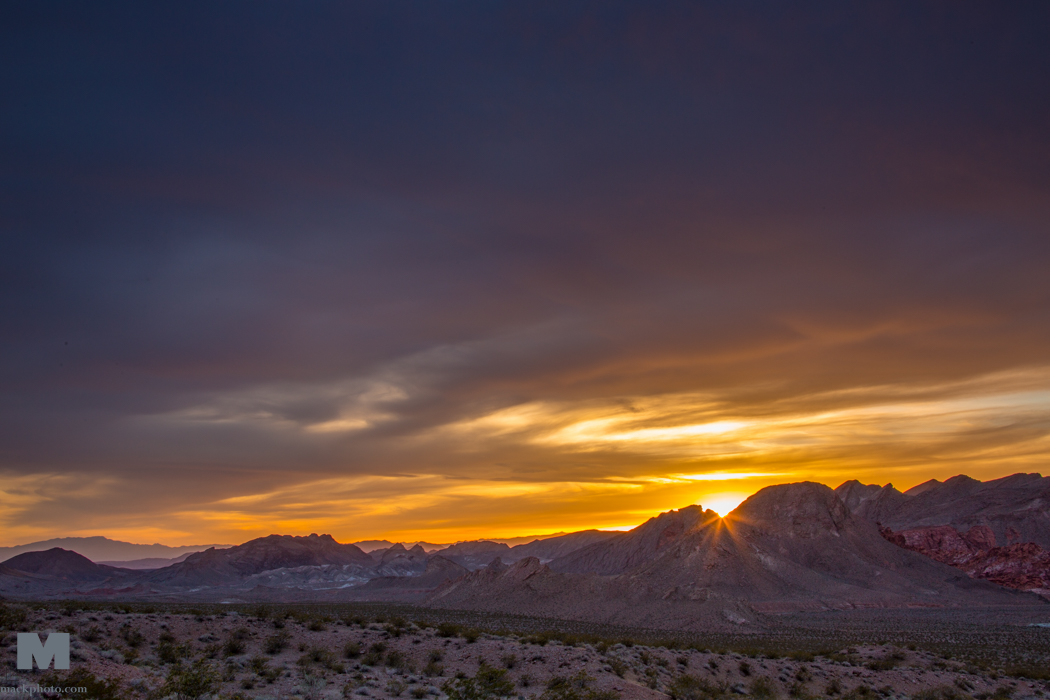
{"points": [[723, 503]]}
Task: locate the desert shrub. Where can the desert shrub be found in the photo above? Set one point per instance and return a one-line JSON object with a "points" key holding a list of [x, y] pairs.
{"points": [[833, 687], [233, 647], [261, 612], [91, 634], [944, 692], [745, 668], [488, 682], [312, 687], [762, 689], [448, 629], [190, 682], [170, 652], [97, 688], [510, 661], [887, 662], [577, 687], [316, 625], [131, 636], [618, 667], [433, 669], [395, 687], [418, 692], [689, 687], [321, 657], [395, 659], [352, 650], [435, 655], [276, 643]]}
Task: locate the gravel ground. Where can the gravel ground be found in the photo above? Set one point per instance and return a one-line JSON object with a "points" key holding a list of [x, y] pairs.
{"points": [[313, 658]]}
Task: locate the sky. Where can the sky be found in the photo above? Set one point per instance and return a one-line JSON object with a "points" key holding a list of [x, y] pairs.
{"points": [[447, 270]]}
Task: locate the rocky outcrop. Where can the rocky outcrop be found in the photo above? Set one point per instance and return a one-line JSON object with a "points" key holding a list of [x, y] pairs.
{"points": [[1021, 566]]}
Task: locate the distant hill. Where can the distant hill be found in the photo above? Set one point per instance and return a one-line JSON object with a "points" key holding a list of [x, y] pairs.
{"points": [[104, 549], [223, 566], [372, 545], [147, 563]]}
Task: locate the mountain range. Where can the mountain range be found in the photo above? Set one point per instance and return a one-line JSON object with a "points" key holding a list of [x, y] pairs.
{"points": [[960, 543], [104, 549]]}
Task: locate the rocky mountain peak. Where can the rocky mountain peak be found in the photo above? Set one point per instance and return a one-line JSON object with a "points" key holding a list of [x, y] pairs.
{"points": [[804, 509]]}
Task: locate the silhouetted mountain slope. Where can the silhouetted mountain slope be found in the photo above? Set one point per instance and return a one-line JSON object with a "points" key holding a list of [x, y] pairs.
{"points": [[625, 550], [788, 547], [553, 547]]}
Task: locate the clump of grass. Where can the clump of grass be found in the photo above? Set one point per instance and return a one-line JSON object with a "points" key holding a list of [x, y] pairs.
{"points": [[352, 650]]}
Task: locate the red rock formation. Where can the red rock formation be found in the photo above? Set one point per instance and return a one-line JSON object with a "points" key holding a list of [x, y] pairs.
{"points": [[1022, 566]]}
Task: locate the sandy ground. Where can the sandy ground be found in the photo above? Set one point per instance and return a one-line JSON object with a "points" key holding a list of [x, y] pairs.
{"points": [[388, 660]]}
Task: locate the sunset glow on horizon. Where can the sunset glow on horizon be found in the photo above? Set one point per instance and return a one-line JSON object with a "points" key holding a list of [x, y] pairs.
{"points": [[453, 272]]}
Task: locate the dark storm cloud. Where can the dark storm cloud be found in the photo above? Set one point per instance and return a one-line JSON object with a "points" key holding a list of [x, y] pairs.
{"points": [[226, 225]]}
